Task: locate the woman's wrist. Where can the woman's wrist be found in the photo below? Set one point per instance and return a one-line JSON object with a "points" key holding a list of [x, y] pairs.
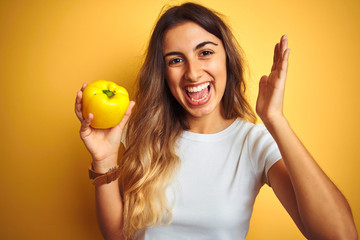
{"points": [[105, 165], [276, 124]]}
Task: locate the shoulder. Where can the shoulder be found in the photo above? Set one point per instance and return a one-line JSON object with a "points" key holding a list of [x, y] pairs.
{"points": [[260, 144], [250, 130]]}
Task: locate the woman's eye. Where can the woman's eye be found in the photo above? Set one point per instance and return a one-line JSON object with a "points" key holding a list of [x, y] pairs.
{"points": [[206, 53], [174, 61]]}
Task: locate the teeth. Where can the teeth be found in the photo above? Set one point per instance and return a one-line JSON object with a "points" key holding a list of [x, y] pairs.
{"points": [[198, 100], [198, 88]]}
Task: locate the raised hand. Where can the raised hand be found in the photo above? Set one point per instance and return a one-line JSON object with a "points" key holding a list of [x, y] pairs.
{"points": [[103, 144], [269, 105]]}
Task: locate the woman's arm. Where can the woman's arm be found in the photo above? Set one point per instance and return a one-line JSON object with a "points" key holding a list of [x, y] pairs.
{"points": [[316, 201], [103, 145], [109, 207], [317, 206]]}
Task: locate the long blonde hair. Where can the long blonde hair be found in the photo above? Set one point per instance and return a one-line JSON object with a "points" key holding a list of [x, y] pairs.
{"points": [[150, 160]]}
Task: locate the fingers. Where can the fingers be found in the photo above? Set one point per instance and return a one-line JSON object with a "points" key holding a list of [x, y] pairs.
{"points": [[83, 86], [279, 51], [130, 107], [276, 56], [78, 106], [128, 111], [127, 114], [283, 46], [284, 64], [281, 56], [286, 54], [78, 103], [263, 84], [85, 128]]}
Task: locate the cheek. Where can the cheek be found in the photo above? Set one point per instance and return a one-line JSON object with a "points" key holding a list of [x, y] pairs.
{"points": [[172, 79], [171, 85], [219, 72], [219, 65]]}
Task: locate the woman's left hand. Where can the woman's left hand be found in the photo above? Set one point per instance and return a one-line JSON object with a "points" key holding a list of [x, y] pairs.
{"points": [[269, 105]]}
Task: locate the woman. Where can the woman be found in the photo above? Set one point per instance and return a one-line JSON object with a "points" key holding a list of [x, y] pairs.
{"points": [[194, 160]]}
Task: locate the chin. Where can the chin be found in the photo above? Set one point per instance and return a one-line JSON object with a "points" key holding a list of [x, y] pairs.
{"points": [[200, 111]]}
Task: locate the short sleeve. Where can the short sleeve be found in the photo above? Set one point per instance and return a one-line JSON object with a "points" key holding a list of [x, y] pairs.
{"points": [[263, 151]]}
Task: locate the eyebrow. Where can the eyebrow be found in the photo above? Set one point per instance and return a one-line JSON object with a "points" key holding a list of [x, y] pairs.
{"points": [[200, 45]]}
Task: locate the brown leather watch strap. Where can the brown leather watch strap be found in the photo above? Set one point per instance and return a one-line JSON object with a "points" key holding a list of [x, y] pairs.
{"points": [[104, 178]]}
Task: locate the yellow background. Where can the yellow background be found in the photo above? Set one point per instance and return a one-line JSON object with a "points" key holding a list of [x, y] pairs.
{"points": [[49, 48]]}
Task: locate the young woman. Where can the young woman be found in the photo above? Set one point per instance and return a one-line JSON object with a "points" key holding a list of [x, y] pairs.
{"points": [[194, 159]]}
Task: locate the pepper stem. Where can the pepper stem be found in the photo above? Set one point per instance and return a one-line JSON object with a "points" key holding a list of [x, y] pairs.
{"points": [[109, 93]]}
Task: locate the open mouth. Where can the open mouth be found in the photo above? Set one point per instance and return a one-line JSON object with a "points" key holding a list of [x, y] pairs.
{"points": [[198, 94]]}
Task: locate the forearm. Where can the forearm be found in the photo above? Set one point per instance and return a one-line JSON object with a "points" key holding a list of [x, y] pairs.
{"points": [[323, 209], [109, 205]]}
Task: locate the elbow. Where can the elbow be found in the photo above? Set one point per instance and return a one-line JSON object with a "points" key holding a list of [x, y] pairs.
{"points": [[113, 236], [351, 234], [355, 235], [347, 230], [338, 227], [348, 233], [114, 233]]}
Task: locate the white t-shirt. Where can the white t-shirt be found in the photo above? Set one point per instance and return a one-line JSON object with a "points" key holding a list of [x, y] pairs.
{"points": [[219, 178]]}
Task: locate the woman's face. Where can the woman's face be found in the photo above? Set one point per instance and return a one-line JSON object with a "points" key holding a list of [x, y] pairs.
{"points": [[195, 69]]}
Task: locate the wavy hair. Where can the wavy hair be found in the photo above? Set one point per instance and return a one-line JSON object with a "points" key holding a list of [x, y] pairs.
{"points": [[150, 160]]}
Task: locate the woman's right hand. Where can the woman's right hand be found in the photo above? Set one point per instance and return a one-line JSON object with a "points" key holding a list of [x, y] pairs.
{"points": [[103, 144]]}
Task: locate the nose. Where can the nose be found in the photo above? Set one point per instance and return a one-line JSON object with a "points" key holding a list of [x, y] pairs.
{"points": [[194, 70]]}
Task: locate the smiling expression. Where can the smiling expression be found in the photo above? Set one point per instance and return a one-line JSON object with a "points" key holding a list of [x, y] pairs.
{"points": [[195, 69]]}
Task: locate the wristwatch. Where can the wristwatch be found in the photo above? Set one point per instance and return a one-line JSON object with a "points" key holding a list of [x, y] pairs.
{"points": [[104, 178]]}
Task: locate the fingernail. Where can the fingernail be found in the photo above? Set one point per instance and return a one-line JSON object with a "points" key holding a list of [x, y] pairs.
{"points": [[285, 36]]}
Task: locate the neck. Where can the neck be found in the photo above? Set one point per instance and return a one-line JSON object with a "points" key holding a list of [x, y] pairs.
{"points": [[212, 123]]}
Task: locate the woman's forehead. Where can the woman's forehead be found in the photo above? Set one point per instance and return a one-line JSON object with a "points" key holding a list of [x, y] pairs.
{"points": [[186, 35]]}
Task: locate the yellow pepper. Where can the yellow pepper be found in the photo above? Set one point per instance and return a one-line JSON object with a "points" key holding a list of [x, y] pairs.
{"points": [[107, 101]]}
